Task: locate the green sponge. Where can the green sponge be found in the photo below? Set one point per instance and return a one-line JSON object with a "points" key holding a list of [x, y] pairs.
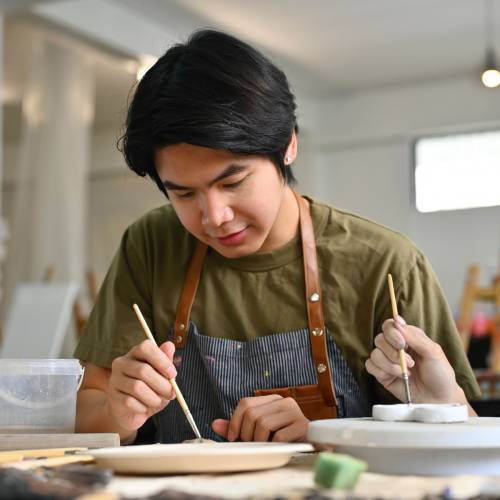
{"points": [[335, 470]]}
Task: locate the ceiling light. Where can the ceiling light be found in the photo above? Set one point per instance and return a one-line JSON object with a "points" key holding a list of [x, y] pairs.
{"points": [[491, 74], [491, 78]]}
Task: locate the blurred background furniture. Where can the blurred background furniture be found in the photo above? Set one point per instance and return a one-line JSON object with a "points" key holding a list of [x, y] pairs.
{"points": [[480, 334], [42, 313], [472, 294], [38, 320]]}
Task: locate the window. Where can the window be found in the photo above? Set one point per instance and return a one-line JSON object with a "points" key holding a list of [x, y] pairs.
{"points": [[457, 171]]}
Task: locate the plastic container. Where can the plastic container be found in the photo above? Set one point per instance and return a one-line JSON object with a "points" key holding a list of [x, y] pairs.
{"points": [[38, 395]]}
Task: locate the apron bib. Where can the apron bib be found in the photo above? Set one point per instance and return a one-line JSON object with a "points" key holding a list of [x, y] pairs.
{"points": [[215, 373]]}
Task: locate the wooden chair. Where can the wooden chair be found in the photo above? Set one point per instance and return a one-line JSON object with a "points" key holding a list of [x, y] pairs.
{"points": [[489, 380], [79, 315], [473, 293]]}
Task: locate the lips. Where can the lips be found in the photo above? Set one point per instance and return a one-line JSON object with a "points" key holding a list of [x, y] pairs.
{"points": [[228, 235], [233, 238]]}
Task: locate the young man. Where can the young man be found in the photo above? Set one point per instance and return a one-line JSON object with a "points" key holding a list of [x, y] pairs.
{"points": [[270, 309]]}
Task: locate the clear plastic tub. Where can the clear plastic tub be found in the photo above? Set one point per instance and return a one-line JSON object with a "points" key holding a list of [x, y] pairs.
{"points": [[38, 395]]}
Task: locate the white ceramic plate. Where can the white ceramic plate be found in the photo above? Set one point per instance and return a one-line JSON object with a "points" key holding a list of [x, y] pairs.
{"points": [[193, 458], [471, 447]]}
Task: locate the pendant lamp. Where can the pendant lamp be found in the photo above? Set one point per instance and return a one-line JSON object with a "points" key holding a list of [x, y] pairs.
{"points": [[491, 74]]}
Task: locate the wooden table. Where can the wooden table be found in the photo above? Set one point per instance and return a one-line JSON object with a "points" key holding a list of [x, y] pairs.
{"points": [[296, 481]]}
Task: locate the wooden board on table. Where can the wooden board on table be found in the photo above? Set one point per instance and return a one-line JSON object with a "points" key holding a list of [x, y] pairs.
{"points": [[10, 442]]}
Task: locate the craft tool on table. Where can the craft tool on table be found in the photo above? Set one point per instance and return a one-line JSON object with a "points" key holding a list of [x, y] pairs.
{"points": [[50, 457], [41, 453], [172, 381], [402, 356]]}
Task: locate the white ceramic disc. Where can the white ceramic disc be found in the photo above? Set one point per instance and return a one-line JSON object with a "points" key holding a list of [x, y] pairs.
{"points": [[427, 413], [392, 413], [471, 447]]}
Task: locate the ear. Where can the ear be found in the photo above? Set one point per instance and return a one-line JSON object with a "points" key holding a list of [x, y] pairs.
{"points": [[291, 150]]}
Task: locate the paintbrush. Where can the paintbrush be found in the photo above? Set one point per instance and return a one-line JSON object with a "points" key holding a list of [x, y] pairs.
{"points": [[402, 356], [172, 381]]}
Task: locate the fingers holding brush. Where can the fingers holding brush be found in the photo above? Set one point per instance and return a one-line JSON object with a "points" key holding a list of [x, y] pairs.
{"points": [[418, 341], [384, 365], [390, 350], [431, 377], [384, 362], [139, 384]]}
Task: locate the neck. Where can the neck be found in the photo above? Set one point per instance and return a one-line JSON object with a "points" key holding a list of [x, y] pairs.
{"points": [[286, 224]]}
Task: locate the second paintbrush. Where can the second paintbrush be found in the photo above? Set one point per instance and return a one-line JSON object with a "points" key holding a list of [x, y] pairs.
{"points": [[401, 352]]}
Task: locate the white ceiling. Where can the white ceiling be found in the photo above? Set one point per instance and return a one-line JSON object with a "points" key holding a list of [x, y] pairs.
{"points": [[326, 46], [345, 45]]}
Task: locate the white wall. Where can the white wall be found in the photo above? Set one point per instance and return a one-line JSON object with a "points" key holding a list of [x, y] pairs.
{"points": [[364, 145], [117, 197], [356, 153]]}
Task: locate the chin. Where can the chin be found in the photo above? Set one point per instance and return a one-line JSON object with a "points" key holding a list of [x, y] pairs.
{"points": [[236, 252], [233, 252]]}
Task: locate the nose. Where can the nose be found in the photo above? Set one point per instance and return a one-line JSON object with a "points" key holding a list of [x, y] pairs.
{"points": [[215, 210]]}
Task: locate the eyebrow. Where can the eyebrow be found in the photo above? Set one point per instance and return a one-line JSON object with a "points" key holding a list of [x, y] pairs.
{"points": [[228, 172]]}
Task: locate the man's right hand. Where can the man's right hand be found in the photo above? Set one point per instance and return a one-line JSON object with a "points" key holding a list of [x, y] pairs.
{"points": [[121, 399], [139, 383]]}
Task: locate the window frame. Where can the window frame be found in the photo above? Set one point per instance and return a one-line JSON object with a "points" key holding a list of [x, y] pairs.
{"points": [[449, 133]]}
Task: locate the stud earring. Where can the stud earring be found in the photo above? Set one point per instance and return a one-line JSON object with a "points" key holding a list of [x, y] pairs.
{"points": [[287, 159]]}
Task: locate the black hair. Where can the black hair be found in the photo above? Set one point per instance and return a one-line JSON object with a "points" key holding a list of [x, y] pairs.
{"points": [[213, 91]]}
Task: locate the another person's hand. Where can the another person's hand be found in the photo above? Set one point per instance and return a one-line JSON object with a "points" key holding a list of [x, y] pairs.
{"points": [[264, 418], [432, 379], [139, 383]]}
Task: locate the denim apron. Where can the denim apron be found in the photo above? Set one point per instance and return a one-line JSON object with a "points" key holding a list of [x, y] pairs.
{"points": [[214, 374]]}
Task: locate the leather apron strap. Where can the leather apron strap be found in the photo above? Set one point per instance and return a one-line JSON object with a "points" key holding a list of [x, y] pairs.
{"points": [[314, 302], [188, 294]]}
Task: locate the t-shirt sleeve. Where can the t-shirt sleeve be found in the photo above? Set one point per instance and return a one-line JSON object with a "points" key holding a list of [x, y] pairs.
{"points": [[421, 302], [113, 328]]}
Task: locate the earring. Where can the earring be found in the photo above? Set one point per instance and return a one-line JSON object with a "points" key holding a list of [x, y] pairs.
{"points": [[287, 159]]}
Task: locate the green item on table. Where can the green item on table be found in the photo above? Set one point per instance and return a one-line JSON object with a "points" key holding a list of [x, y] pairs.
{"points": [[335, 470]]}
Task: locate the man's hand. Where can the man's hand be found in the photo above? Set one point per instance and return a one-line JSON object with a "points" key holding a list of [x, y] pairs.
{"points": [[264, 418], [432, 379], [139, 383]]}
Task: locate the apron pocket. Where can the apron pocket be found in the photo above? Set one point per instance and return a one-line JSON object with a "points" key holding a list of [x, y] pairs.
{"points": [[308, 397]]}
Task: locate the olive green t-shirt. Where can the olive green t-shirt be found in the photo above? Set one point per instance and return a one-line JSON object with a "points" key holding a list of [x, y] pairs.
{"points": [[263, 294]]}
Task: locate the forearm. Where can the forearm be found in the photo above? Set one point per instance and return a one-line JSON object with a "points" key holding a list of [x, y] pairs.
{"points": [[93, 415]]}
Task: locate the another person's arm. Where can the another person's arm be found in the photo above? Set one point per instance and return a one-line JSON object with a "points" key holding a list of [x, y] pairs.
{"points": [[432, 378], [438, 365]]}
